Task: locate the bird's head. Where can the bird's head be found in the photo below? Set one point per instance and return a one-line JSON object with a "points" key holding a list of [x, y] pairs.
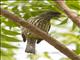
{"points": [[53, 13], [50, 14]]}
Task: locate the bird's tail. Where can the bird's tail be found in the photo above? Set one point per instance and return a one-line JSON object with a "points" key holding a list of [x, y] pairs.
{"points": [[30, 48]]}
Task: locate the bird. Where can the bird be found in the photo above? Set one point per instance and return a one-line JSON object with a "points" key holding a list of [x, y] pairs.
{"points": [[42, 21]]}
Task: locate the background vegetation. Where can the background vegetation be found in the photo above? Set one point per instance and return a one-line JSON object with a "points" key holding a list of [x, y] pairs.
{"points": [[62, 29]]}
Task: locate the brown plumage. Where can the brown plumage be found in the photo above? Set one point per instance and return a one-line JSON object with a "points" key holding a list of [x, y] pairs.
{"points": [[41, 21]]}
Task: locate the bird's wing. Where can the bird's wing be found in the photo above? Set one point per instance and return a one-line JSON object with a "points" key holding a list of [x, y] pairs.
{"points": [[24, 37]]}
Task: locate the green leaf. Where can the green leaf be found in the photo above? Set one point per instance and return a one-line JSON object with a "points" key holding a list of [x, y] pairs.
{"points": [[77, 48], [8, 23], [74, 26], [26, 12], [7, 57], [9, 46], [16, 10], [74, 4], [46, 55], [64, 22], [26, 16], [8, 32], [70, 38], [8, 38], [6, 52]]}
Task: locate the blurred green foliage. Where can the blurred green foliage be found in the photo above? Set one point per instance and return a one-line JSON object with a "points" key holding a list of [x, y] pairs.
{"points": [[26, 9]]}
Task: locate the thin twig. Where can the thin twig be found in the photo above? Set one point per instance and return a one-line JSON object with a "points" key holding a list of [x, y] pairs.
{"points": [[73, 16]]}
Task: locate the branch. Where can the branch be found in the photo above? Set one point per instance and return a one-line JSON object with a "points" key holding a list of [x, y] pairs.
{"points": [[74, 17], [61, 47]]}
